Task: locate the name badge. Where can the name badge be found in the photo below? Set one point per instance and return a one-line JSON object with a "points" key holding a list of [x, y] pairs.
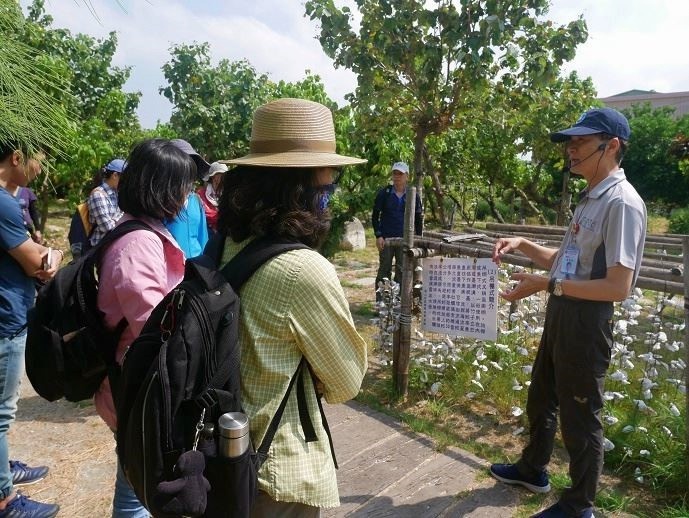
{"points": [[568, 266]]}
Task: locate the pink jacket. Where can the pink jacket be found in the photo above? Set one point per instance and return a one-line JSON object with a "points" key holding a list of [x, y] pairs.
{"points": [[136, 272]]}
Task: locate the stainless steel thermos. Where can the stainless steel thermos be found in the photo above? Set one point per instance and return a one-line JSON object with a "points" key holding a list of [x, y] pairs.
{"points": [[233, 428]]}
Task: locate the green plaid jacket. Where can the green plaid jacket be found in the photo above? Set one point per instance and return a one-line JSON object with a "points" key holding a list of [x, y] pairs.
{"points": [[293, 306]]}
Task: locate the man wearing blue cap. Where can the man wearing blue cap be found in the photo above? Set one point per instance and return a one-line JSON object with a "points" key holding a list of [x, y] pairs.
{"points": [[597, 264], [102, 202]]}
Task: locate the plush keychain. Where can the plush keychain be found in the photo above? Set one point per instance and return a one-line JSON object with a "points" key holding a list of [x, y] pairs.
{"points": [[187, 494]]}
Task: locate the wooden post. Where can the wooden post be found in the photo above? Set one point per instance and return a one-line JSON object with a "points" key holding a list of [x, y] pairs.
{"points": [[685, 252], [401, 343]]}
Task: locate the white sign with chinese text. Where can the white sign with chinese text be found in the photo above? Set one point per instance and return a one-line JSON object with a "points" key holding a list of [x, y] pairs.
{"points": [[460, 297]]}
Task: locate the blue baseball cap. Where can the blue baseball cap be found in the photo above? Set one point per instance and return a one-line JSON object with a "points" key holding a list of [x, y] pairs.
{"points": [[117, 165], [598, 120]]}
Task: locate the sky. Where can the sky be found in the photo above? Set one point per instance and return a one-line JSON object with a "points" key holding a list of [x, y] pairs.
{"points": [[633, 44]]}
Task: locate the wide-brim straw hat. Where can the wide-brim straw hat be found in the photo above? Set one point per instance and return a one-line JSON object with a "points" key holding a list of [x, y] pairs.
{"points": [[293, 133]]}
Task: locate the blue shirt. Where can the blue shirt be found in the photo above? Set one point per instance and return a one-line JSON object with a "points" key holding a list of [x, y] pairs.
{"points": [[189, 227], [388, 214], [16, 288]]}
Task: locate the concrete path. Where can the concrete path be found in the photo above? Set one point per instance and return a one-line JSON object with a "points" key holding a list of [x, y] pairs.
{"points": [[388, 471]]}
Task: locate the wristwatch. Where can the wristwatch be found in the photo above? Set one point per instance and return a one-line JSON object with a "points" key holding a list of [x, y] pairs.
{"points": [[555, 287]]}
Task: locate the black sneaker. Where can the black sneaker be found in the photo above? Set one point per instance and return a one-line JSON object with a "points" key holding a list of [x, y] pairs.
{"points": [[22, 507], [509, 474], [24, 475]]}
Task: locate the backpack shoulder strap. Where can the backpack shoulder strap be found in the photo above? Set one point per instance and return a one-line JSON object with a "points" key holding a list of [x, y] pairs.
{"points": [[121, 230], [253, 256], [304, 417]]}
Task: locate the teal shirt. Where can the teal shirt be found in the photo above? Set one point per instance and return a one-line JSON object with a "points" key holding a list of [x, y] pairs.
{"points": [[189, 227]]}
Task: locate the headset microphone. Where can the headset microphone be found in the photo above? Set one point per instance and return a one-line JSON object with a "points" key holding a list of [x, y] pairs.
{"points": [[601, 147]]}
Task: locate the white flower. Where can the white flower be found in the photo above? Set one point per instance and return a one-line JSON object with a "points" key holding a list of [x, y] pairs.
{"points": [[478, 384], [644, 408], [621, 327], [608, 444], [480, 355], [610, 419], [644, 453], [619, 375], [642, 429], [495, 365], [662, 337], [502, 347], [522, 351], [667, 431], [448, 341], [638, 476], [526, 369], [647, 384], [516, 411], [516, 385], [674, 410], [646, 394], [673, 347]]}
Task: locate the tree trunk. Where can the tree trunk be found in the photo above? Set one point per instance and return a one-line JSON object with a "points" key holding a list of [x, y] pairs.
{"points": [[532, 205], [438, 190]]}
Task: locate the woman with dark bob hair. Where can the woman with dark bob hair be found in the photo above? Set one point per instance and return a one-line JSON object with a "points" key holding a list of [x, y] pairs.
{"points": [[141, 267], [293, 307]]}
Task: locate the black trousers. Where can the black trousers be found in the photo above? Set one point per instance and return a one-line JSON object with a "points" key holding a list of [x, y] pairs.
{"points": [[568, 375], [385, 258]]}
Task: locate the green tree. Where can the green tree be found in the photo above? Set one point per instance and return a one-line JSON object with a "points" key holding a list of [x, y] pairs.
{"points": [[422, 65], [213, 105], [28, 79], [105, 115], [649, 163]]}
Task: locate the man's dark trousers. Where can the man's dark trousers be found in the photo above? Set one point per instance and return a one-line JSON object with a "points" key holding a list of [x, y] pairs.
{"points": [[385, 257], [568, 373]]}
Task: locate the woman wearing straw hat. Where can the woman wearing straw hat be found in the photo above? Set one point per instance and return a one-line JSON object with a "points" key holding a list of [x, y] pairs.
{"points": [[293, 306]]}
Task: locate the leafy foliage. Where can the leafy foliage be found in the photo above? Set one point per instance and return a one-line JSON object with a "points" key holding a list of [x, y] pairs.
{"points": [[29, 116], [650, 163], [426, 69], [93, 92]]}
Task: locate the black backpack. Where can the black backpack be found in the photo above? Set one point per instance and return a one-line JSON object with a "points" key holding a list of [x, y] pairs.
{"points": [[179, 376], [80, 229], [68, 349]]}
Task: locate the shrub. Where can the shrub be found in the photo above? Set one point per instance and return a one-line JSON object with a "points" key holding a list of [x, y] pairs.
{"points": [[679, 221]]}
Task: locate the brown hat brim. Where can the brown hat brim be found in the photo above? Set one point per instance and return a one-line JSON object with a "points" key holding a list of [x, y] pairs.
{"points": [[295, 159]]}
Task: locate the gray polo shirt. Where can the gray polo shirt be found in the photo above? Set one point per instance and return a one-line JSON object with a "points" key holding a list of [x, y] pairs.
{"points": [[608, 228]]}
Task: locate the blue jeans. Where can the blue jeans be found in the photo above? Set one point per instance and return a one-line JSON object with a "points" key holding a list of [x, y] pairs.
{"points": [[125, 504], [11, 372]]}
